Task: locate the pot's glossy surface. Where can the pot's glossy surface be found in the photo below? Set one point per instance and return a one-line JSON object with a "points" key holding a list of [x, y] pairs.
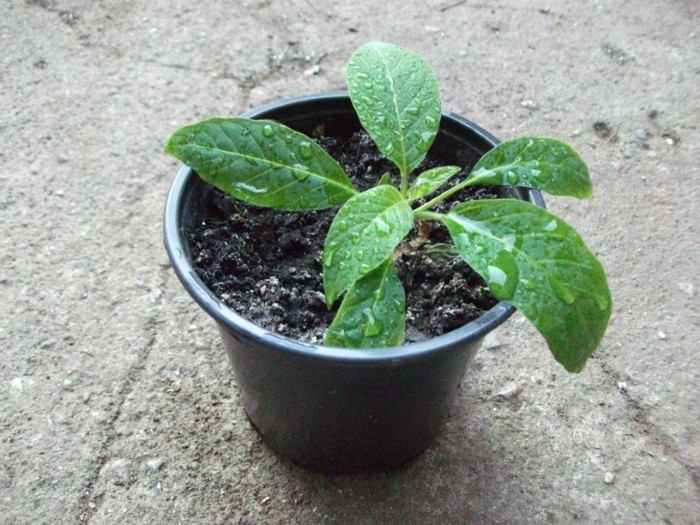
{"points": [[331, 409]]}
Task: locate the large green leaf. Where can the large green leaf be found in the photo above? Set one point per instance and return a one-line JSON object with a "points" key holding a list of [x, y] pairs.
{"points": [[395, 94], [263, 163], [536, 262], [540, 163], [373, 312], [364, 233]]}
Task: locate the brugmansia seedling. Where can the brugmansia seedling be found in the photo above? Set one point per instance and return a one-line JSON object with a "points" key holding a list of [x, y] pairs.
{"points": [[528, 257]]}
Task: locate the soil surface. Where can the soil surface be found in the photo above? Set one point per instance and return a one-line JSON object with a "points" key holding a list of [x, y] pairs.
{"points": [[266, 264]]}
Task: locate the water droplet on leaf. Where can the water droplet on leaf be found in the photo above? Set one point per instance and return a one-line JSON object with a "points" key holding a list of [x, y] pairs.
{"points": [[249, 188], [527, 284], [305, 150], [509, 241], [503, 276], [379, 293], [497, 280], [267, 131], [328, 256], [551, 226], [373, 326], [300, 173], [562, 291], [601, 301], [383, 228]]}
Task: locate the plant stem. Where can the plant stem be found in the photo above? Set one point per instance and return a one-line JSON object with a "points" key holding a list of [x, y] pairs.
{"points": [[428, 215], [454, 189]]}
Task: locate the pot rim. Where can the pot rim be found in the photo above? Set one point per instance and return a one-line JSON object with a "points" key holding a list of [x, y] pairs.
{"points": [[242, 327]]}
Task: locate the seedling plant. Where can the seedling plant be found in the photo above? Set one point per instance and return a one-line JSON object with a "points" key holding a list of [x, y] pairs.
{"points": [[527, 256]]}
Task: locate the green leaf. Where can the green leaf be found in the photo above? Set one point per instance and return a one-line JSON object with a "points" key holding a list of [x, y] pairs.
{"points": [[386, 179], [373, 312], [363, 235], [540, 163], [536, 262], [395, 94], [263, 163], [430, 180], [439, 253]]}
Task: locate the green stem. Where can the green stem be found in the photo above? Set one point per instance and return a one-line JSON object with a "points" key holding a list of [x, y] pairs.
{"points": [[429, 215], [454, 189], [404, 184]]}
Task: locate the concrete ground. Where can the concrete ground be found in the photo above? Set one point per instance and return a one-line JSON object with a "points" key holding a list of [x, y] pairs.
{"points": [[117, 403]]}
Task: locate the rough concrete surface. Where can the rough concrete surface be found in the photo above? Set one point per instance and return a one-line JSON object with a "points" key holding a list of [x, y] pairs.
{"points": [[117, 403]]}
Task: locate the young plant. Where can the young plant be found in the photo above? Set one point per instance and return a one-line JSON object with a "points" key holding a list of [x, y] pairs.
{"points": [[529, 257]]}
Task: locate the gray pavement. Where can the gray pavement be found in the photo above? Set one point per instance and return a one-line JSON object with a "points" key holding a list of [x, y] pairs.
{"points": [[117, 403]]}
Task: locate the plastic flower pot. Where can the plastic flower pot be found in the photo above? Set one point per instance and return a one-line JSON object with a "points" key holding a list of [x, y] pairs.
{"points": [[335, 409]]}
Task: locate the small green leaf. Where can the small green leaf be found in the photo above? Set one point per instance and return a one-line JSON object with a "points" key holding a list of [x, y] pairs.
{"points": [[395, 94], [363, 235], [536, 262], [263, 163], [373, 312], [386, 179], [440, 253], [540, 163], [430, 180]]}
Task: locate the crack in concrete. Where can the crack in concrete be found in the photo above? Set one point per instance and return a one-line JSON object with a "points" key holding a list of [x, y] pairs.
{"points": [[640, 416], [88, 502], [68, 17], [277, 67], [173, 65]]}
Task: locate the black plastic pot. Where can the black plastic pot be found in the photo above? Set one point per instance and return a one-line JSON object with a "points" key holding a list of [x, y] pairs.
{"points": [[331, 409]]}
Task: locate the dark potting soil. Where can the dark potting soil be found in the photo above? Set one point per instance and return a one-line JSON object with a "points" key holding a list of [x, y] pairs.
{"points": [[266, 264]]}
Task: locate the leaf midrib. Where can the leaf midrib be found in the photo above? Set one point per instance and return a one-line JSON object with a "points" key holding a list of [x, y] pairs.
{"points": [[375, 301], [534, 262], [397, 114], [277, 165]]}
